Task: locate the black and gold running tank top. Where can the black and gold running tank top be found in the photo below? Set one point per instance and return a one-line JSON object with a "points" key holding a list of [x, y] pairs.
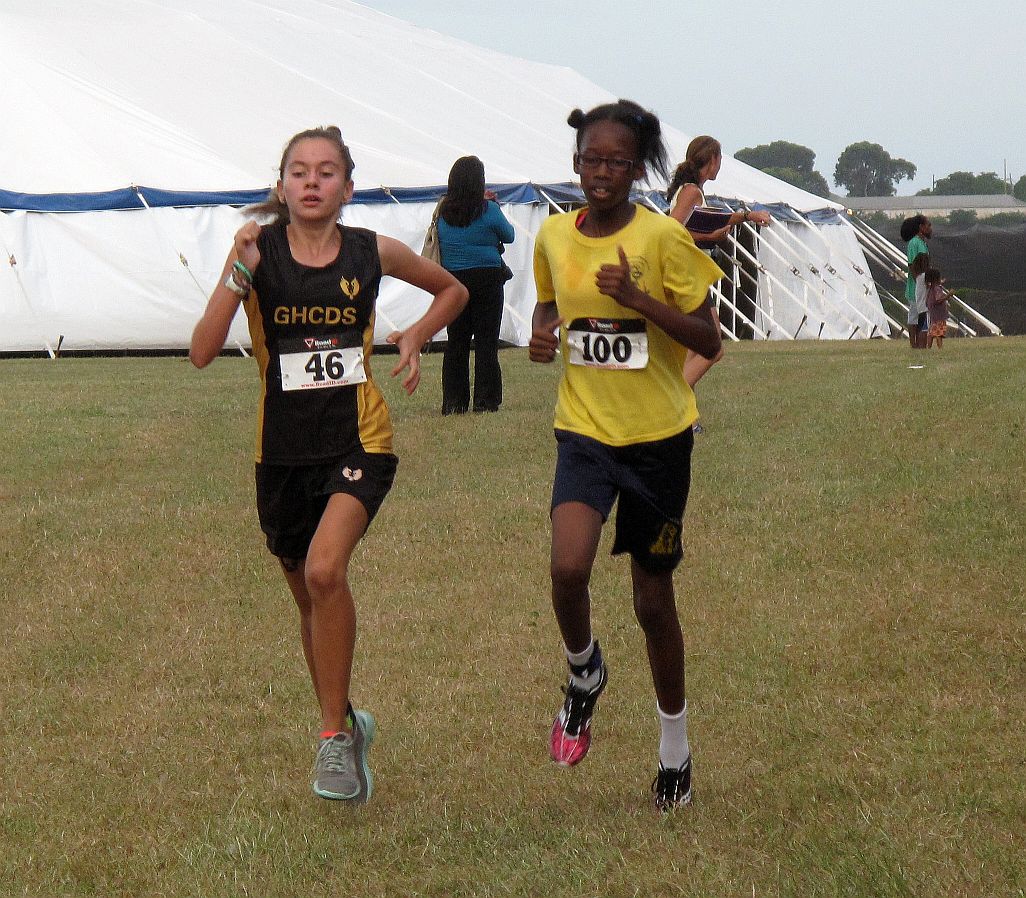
{"points": [[313, 335]]}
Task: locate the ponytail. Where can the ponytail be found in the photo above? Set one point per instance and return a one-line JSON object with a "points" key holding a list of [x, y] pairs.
{"points": [[685, 173], [700, 151]]}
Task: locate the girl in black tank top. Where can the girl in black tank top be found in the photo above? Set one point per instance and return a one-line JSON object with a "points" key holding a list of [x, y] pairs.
{"points": [[324, 439]]}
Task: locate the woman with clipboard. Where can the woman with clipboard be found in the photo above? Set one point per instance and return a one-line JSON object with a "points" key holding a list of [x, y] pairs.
{"points": [[687, 201], [708, 226]]}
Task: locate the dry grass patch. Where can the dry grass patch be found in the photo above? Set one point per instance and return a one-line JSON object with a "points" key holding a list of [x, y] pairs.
{"points": [[852, 597]]}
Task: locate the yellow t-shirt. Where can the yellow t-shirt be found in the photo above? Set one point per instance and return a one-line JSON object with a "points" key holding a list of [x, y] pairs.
{"points": [[623, 378]]}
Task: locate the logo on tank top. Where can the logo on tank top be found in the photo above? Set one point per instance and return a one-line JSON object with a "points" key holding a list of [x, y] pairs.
{"points": [[315, 314], [350, 287]]}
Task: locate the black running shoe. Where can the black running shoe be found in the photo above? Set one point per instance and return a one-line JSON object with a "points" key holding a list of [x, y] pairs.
{"points": [[570, 737], [672, 787]]}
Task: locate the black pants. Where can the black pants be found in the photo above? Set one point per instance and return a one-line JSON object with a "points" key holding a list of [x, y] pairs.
{"points": [[479, 321]]}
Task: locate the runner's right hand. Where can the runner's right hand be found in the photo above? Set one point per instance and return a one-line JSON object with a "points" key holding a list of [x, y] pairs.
{"points": [[544, 342], [246, 245]]}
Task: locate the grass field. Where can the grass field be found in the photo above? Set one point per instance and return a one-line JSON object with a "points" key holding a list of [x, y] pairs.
{"points": [[852, 597]]}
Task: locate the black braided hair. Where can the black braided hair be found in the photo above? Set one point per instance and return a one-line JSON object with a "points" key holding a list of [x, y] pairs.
{"points": [[910, 226], [644, 125]]}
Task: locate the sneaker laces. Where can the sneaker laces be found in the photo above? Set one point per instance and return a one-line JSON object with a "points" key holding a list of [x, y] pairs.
{"points": [[577, 707], [669, 785], [334, 756]]}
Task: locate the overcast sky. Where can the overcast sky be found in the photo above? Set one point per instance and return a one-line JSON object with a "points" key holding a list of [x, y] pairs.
{"points": [[937, 83]]}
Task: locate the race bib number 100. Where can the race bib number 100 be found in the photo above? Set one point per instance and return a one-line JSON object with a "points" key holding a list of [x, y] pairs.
{"points": [[614, 343], [316, 363]]}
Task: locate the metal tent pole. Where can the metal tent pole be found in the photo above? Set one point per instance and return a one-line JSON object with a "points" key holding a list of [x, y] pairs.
{"points": [[817, 273], [13, 262]]}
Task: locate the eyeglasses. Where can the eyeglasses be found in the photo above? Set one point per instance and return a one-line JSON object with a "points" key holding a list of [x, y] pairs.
{"points": [[591, 161]]}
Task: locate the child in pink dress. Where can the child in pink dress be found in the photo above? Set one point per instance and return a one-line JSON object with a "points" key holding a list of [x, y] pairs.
{"points": [[937, 307]]}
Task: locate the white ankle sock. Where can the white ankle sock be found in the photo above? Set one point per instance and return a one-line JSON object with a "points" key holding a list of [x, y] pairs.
{"points": [[580, 658], [673, 743]]}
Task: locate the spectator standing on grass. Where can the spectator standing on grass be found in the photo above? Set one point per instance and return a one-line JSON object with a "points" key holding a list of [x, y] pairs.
{"points": [[915, 231], [324, 437], [472, 232], [627, 291]]}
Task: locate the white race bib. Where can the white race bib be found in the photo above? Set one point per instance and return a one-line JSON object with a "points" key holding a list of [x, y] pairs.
{"points": [[613, 343], [316, 363]]}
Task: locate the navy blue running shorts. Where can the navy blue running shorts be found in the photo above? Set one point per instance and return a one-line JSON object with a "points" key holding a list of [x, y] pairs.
{"points": [[650, 480], [291, 498]]}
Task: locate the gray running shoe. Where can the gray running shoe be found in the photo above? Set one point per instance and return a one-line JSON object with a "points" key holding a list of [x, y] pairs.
{"points": [[341, 771]]}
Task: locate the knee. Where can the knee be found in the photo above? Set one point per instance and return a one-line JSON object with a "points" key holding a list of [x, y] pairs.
{"points": [[569, 579], [655, 611], [323, 580]]}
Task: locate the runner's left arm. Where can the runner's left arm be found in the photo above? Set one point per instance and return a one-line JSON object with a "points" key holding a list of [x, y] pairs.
{"points": [[450, 296]]}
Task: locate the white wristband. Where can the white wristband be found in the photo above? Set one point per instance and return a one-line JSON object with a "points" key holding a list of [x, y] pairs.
{"points": [[230, 283]]}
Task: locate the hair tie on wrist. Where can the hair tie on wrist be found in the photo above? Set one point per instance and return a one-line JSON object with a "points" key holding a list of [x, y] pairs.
{"points": [[243, 270]]}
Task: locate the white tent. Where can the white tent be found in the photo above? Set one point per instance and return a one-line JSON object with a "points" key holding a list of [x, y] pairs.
{"points": [[133, 130]]}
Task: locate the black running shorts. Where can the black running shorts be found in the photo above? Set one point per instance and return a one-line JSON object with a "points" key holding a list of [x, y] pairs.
{"points": [[650, 480], [292, 498]]}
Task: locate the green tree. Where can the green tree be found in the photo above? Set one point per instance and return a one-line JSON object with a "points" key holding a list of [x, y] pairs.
{"points": [[965, 183], [791, 162], [867, 169], [1019, 190], [811, 181], [878, 221], [779, 154]]}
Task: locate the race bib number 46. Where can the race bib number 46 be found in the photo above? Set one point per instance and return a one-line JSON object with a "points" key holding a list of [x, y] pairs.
{"points": [[615, 343], [316, 363]]}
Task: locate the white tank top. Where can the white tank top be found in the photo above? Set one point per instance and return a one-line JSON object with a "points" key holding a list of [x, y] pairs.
{"points": [[676, 196]]}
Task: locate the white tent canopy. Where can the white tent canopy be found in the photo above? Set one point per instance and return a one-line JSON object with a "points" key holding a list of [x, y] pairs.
{"points": [[184, 96]]}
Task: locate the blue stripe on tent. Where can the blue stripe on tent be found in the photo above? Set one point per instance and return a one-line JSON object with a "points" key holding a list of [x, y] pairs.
{"points": [[780, 211], [564, 193], [164, 198], [826, 217], [69, 202], [517, 194], [127, 198]]}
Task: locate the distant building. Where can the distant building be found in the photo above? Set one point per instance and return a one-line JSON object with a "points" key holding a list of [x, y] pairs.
{"points": [[983, 205]]}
